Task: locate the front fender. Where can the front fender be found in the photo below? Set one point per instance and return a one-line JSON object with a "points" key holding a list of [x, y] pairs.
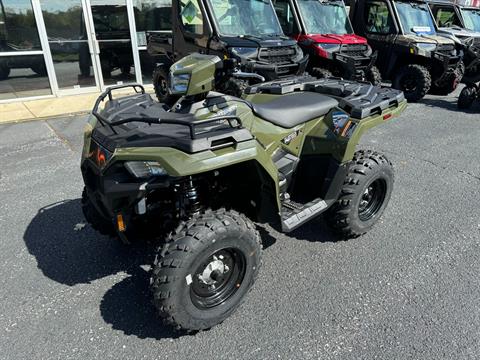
{"points": [[179, 163]]}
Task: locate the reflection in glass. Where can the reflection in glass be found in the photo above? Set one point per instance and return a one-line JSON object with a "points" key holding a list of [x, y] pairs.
{"points": [[112, 31], [68, 42], [26, 77], [18, 30], [150, 15]]}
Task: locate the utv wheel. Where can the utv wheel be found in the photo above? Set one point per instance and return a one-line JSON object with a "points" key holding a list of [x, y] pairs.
{"points": [[40, 69], [320, 73], [4, 72], [414, 80], [160, 84], [373, 76], [467, 96], [235, 87], [95, 218], [450, 83], [205, 269], [364, 195]]}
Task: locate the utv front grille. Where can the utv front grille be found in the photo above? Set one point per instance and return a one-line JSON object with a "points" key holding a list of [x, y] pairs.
{"points": [[278, 55], [354, 49], [446, 49]]}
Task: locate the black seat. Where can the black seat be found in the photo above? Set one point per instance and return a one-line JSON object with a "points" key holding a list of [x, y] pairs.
{"points": [[291, 110]]}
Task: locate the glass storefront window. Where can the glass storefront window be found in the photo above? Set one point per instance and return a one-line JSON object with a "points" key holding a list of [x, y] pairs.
{"points": [[67, 37], [25, 76], [21, 75], [150, 15], [18, 30], [110, 19]]}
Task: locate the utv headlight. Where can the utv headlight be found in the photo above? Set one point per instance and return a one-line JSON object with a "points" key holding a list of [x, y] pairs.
{"points": [[179, 83], [145, 169], [298, 53], [426, 46], [329, 47], [245, 52]]}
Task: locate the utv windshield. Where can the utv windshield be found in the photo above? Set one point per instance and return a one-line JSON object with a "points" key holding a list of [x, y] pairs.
{"points": [[325, 17], [415, 18], [245, 17], [471, 17]]}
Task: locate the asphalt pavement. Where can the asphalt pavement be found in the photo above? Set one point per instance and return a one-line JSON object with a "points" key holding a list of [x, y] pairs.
{"points": [[409, 289]]}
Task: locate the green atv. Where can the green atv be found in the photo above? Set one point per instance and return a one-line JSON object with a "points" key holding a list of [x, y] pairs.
{"points": [[204, 172]]}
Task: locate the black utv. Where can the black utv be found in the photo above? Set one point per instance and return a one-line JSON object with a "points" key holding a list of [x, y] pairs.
{"points": [[245, 30], [410, 52], [463, 23]]}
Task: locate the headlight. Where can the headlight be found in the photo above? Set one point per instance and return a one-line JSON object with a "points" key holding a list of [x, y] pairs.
{"points": [[179, 83], [298, 53], [145, 169], [248, 52], [426, 46], [369, 51], [329, 47]]}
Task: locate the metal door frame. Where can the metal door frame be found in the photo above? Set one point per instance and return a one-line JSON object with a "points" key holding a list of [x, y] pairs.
{"points": [[96, 48], [48, 55]]}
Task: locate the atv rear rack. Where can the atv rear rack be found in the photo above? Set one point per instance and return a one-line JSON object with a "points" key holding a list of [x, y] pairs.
{"points": [[359, 99]]}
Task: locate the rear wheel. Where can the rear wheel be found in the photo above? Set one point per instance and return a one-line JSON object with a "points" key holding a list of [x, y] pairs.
{"points": [[160, 84], [414, 80], [39, 69], [205, 269], [364, 195], [373, 75], [467, 96], [320, 73]]}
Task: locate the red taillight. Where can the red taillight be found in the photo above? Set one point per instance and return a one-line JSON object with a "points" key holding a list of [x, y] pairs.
{"points": [[387, 116]]}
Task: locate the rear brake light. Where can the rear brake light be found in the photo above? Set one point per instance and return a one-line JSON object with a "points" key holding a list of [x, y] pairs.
{"points": [[387, 116]]}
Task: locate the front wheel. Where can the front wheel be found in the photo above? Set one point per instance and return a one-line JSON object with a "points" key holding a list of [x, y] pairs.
{"points": [[160, 84], [414, 80], [4, 71], [321, 73], [364, 195], [373, 76], [98, 222], [205, 269], [467, 96]]}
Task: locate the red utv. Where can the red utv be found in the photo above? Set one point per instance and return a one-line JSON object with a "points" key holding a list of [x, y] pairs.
{"points": [[323, 30]]}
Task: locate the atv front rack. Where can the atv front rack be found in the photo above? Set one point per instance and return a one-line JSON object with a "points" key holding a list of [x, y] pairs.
{"points": [[140, 107], [182, 131]]}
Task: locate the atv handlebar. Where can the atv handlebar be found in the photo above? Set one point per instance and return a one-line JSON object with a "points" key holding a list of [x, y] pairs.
{"points": [[246, 75]]}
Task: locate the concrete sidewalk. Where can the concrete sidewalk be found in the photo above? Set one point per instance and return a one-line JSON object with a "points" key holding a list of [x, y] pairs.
{"points": [[51, 107]]}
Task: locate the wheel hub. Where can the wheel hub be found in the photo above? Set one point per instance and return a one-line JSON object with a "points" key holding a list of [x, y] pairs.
{"points": [[214, 271]]}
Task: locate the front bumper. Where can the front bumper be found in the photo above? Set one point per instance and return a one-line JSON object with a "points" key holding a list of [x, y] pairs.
{"points": [[276, 71], [355, 66], [113, 192], [448, 65]]}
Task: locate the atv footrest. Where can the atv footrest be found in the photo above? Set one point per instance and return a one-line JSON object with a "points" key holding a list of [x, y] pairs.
{"points": [[295, 214]]}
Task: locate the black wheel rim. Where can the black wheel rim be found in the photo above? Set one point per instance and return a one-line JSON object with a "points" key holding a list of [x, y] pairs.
{"points": [[218, 278], [372, 199], [409, 83], [162, 87]]}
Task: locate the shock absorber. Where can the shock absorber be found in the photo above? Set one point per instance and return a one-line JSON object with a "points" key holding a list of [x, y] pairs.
{"points": [[191, 196]]}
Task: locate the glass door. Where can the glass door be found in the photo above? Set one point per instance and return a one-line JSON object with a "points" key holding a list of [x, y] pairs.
{"points": [[110, 22], [23, 71], [70, 44]]}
